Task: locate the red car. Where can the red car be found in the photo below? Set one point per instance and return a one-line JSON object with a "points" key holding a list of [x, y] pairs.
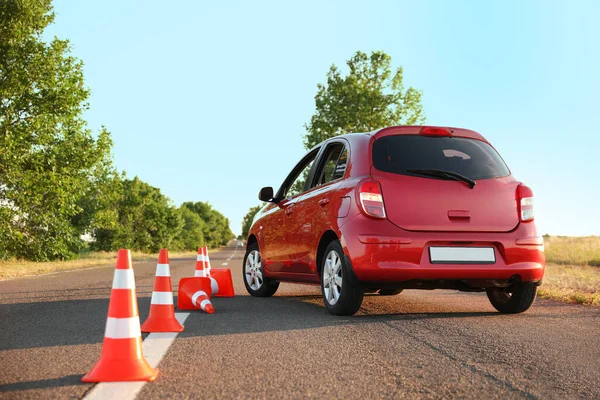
{"points": [[404, 207]]}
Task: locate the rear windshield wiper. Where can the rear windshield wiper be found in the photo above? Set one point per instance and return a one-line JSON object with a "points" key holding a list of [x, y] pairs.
{"points": [[444, 174]]}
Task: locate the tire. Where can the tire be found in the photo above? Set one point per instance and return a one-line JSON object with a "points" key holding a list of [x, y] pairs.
{"points": [[389, 292], [341, 295], [253, 274], [517, 298]]}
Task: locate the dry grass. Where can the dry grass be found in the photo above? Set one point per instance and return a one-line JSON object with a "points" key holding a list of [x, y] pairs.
{"points": [[572, 284], [573, 250], [19, 268]]}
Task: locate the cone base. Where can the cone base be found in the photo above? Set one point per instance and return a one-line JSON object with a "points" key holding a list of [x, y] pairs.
{"points": [[161, 325], [116, 370], [224, 281]]}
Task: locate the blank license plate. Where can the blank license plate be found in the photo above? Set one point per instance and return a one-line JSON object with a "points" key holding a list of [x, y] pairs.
{"points": [[462, 255]]}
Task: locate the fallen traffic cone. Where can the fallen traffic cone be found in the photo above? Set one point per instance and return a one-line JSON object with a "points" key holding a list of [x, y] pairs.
{"points": [[162, 311], [224, 282], [122, 358], [194, 294]]}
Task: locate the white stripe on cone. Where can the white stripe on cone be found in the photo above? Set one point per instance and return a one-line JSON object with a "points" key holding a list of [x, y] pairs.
{"points": [[162, 298], [214, 285], [163, 270], [123, 279], [122, 328], [198, 294], [204, 303], [200, 272], [201, 257]]}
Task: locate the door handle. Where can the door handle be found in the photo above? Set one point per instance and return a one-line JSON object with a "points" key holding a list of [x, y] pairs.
{"points": [[324, 201], [289, 210]]}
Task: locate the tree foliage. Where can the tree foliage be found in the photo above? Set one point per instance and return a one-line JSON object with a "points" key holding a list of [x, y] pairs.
{"points": [[216, 230], [192, 235], [247, 221], [57, 180], [49, 161], [370, 96], [146, 220]]}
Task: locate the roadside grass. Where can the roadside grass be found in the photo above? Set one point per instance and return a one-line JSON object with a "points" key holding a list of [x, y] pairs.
{"points": [[20, 268], [572, 250], [572, 284]]}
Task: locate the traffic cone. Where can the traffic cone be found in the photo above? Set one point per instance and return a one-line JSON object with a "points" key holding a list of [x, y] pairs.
{"points": [[203, 268], [122, 358], [220, 278], [224, 282], [162, 311], [201, 263], [194, 294]]}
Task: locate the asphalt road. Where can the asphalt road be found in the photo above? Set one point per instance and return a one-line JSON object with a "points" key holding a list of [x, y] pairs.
{"points": [[419, 344]]}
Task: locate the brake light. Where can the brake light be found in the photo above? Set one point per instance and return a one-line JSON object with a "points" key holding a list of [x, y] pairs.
{"points": [[371, 199], [525, 203], [434, 131]]}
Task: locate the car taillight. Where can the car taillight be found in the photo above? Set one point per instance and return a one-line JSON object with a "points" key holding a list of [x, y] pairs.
{"points": [[525, 203], [371, 199]]}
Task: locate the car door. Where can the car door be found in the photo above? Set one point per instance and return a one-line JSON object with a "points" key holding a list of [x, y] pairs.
{"points": [[311, 211], [277, 248]]}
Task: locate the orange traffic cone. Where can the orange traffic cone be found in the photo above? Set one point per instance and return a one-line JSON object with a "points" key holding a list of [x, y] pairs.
{"points": [[220, 278], [122, 358], [201, 264], [203, 268], [224, 282], [162, 311], [194, 294]]}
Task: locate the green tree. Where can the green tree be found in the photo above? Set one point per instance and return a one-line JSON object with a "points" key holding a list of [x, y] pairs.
{"points": [[247, 221], [192, 234], [217, 231], [49, 160], [147, 221], [370, 96]]}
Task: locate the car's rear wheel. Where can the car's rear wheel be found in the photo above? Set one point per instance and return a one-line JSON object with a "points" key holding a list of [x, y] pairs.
{"points": [[516, 298], [254, 277], [389, 292], [341, 295]]}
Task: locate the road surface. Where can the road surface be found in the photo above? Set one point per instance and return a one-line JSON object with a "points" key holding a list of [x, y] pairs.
{"points": [[419, 344]]}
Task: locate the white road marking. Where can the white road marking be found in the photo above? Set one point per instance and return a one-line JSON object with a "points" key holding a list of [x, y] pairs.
{"points": [[225, 264], [155, 346]]}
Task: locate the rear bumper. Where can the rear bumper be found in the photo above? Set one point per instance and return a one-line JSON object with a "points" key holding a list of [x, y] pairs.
{"points": [[396, 255]]}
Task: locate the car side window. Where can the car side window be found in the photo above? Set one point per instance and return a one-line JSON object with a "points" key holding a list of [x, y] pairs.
{"points": [[298, 182], [333, 165], [340, 167]]}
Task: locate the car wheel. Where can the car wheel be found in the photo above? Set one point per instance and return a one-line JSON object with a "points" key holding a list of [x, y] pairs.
{"points": [[516, 298], [340, 294], [389, 292], [254, 278]]}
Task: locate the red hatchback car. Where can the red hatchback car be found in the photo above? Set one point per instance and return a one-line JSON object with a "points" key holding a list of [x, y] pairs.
{"points": [[404, 207]]}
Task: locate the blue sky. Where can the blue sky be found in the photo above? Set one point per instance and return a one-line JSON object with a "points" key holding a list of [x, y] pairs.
{"points": [[207, 100]]}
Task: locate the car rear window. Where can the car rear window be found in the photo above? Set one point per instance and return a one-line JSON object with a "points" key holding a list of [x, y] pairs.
{"points": [[469, 157]]}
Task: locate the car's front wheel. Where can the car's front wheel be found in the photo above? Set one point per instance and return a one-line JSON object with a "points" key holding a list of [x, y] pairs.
{"points": [[254, 277], [340, 294], [516, 298]]}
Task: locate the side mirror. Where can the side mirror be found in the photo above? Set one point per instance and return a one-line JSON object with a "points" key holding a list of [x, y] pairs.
{"points": [[266, 194]]}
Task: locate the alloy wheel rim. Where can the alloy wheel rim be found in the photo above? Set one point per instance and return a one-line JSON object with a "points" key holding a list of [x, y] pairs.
{"points": [[332, 277], [253, 270]]}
